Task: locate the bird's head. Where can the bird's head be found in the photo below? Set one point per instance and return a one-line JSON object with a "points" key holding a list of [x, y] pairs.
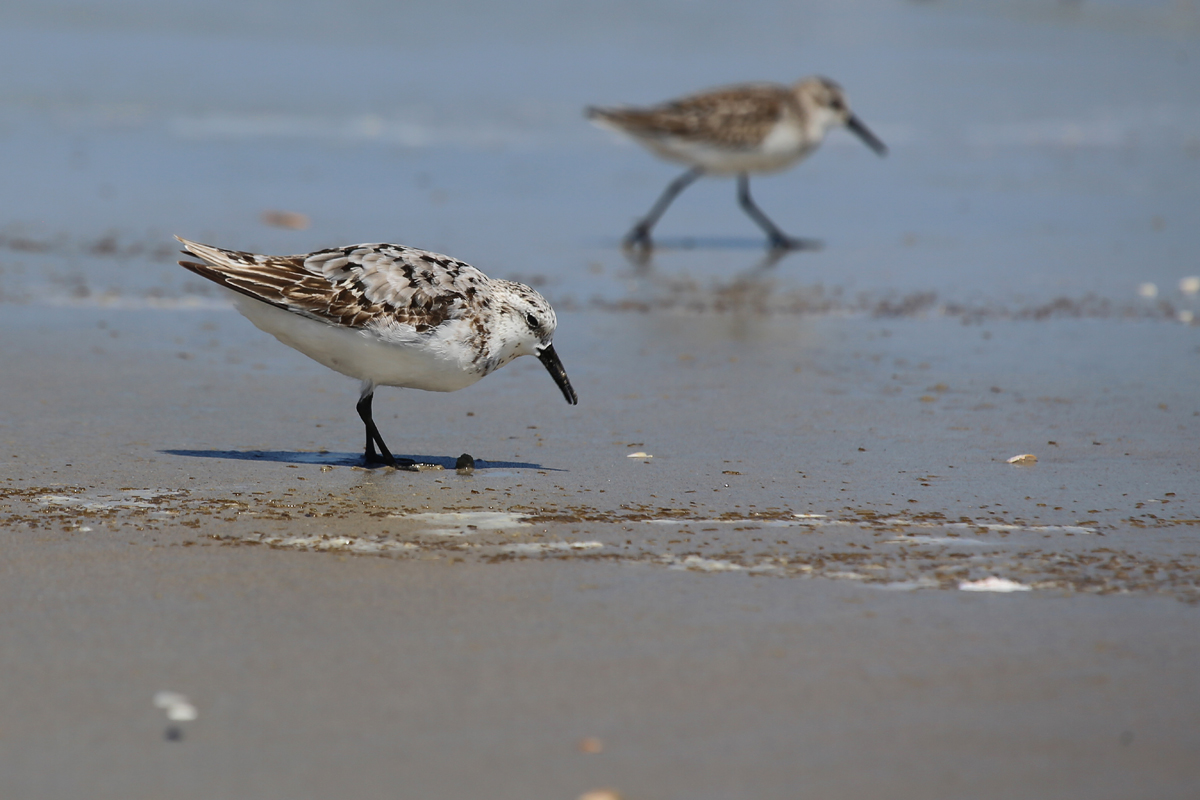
{"points": [[525, 326]]}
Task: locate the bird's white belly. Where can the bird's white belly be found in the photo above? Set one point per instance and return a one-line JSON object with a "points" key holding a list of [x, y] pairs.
{"points": [[783, 146], [433, 365]]}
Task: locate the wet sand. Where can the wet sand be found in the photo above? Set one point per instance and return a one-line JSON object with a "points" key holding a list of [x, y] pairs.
{"points": [[777, 550], [763, 606]]}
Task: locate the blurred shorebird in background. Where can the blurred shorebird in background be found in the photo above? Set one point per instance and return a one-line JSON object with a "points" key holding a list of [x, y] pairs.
{"points": [[736, 130]]}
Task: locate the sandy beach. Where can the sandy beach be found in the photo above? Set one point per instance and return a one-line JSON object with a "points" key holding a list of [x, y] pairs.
{"points": [[783, 547]]}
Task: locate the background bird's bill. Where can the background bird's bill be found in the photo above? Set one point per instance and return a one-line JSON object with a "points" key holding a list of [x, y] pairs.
{"points": [[863, 132], [550, 358]]}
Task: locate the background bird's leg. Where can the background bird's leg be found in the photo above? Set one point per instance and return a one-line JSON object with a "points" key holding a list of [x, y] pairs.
{"points": [[640, 234], [778, 239]]}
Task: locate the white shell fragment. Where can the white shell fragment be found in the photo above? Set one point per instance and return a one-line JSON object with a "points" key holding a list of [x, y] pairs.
{"points": [[177, 706], [639, 454], [992, 584], [1147, 290], [1024, 458], [1190, 284]]}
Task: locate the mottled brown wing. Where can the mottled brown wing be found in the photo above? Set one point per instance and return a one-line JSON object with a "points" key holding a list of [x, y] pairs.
{"points": [[411, 286], [738, 116], [290, 287], [354, 286]]}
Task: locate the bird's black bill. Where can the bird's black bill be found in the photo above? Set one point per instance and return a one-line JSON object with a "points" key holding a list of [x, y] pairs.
{"points": [[863, 132], [550, 358]]}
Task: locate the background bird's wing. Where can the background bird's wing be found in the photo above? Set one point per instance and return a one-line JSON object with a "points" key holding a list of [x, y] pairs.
{"points": [[738, 116]]}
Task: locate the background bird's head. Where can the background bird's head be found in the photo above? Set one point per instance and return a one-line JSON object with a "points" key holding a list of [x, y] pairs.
{"points": [[824, 105]]}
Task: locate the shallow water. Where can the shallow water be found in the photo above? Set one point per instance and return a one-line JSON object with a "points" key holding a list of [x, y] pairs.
{"points": [[1036, 154]]}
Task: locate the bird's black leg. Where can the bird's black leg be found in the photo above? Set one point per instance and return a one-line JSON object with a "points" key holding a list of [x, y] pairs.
{"points": [[777, 239], [640, 234], [364, 407], [369, 455]]}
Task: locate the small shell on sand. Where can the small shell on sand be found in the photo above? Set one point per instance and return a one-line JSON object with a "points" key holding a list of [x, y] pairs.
{"points": [[290, 220], [1024, 458], [177, 706], [591, 744]]}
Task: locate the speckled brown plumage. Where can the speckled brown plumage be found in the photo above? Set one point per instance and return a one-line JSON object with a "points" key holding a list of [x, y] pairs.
{"points": [[388, 315], [352, 287], [735, 116]]}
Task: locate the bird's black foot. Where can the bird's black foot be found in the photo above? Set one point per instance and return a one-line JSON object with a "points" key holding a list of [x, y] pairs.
{"points": [[638, 239], [372, 460], [781, 242]]}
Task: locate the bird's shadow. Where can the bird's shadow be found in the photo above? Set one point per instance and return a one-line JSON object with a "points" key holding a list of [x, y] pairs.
{"points": [[344, 459]]}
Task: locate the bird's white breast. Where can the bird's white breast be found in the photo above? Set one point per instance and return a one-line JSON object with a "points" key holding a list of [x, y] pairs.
{"points": [[785, 143], [436, 362]]}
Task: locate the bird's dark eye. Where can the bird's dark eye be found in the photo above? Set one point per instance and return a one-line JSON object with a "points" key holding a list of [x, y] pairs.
{"points": [[532, 321]]}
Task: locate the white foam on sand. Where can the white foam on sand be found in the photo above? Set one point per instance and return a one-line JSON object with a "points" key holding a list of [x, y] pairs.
{"points": [[811, 520], [539, 548], [700, 564], [132, 498], [465, 523], [327, 543]]}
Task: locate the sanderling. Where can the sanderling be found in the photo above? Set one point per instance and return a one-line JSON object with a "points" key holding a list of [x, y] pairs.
{"points": [[388, 315], [758, 127]]}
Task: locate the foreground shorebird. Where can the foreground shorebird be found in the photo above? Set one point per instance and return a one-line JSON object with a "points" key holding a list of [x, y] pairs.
{"points": [[755, 127], [388, 315]]}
